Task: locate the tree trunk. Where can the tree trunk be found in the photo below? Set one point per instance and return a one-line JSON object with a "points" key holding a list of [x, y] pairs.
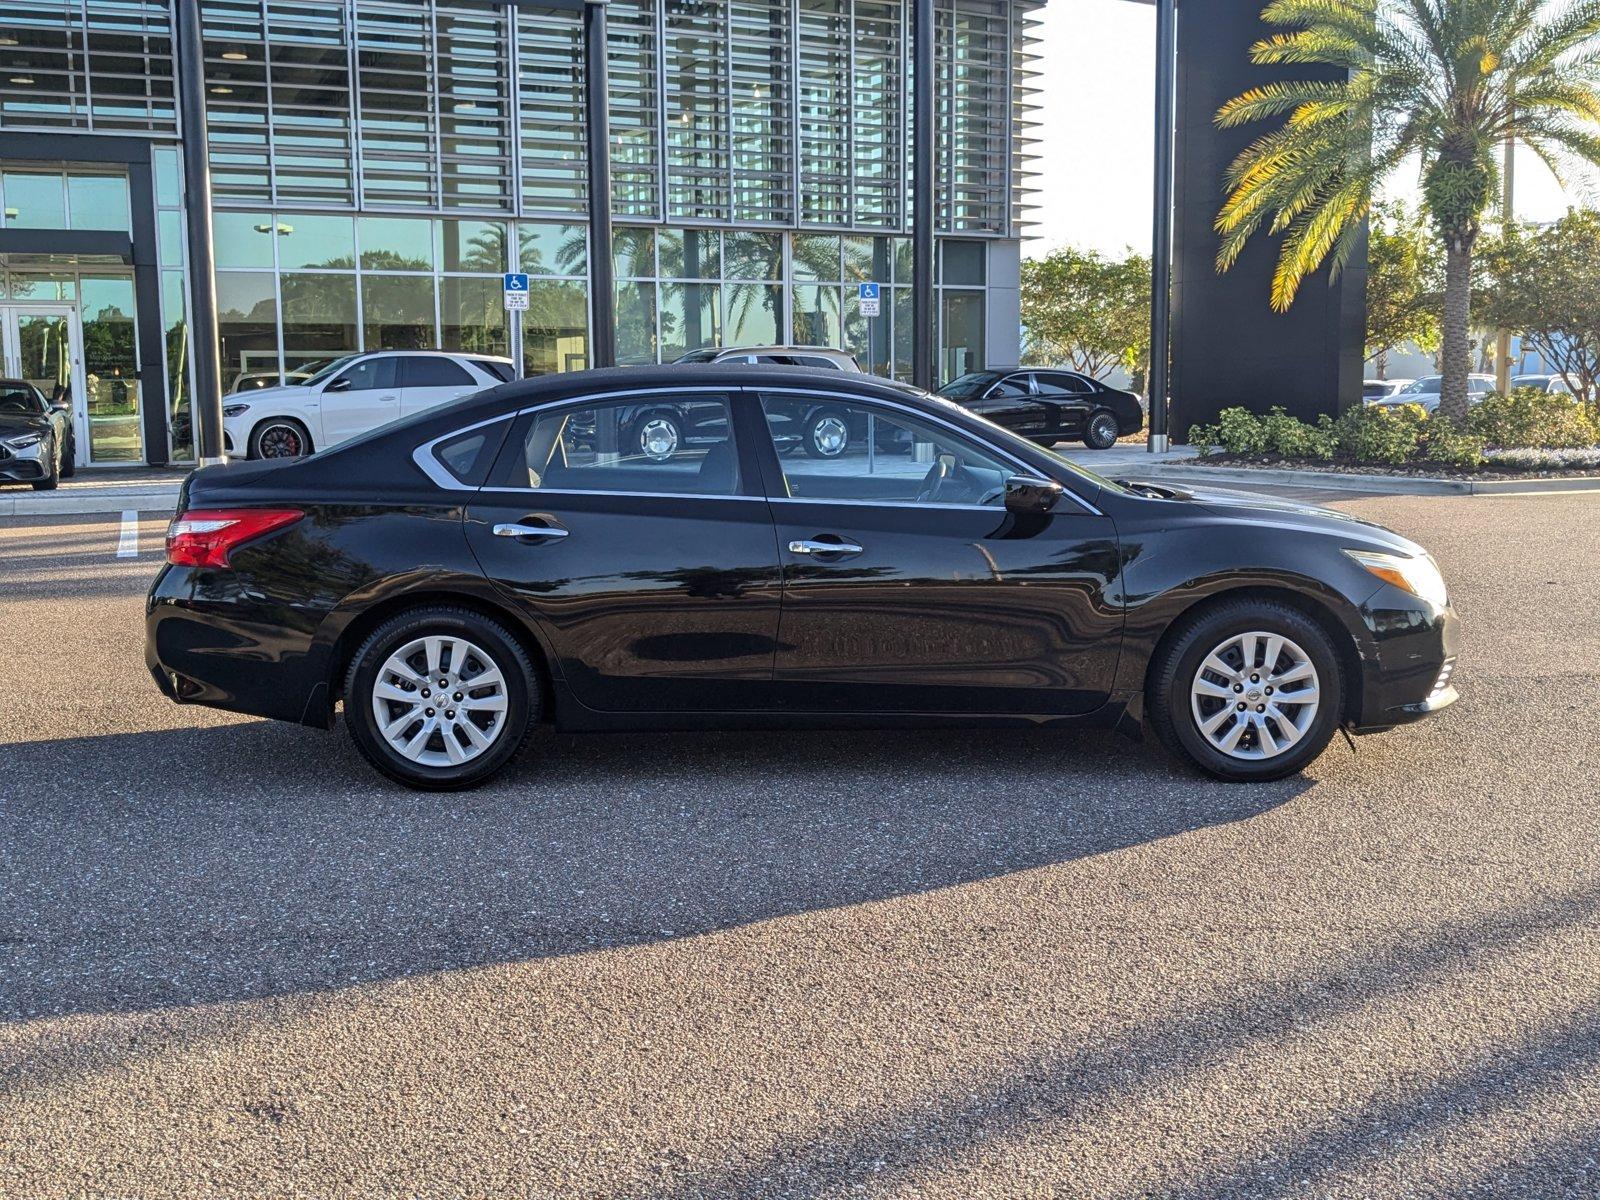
{"points": [[1456, 351], [1383, 364]]}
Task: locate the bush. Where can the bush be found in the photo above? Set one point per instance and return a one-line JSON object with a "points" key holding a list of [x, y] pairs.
{"points": [[1240, 431], [1531, 418], [1380, 434], [1443, 443]]}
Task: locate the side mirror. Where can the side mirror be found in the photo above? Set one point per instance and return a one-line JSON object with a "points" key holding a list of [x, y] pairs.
{"points": [[1030, 496], [62, 406], [341, 384]]}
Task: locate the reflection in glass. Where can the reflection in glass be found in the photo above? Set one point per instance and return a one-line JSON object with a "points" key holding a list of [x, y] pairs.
{"points": [[478, 246], [98, 201], [547, 248], [753, 255], [247, 325], [43, 287], [634, 253], [816, 315], [397, 312], [35, 200], [816, 256], [690, 253], [396, 244], [316, 241], [866, 260], [111, 369], [961, 334], [903, 327], [754, 313], [242, 239], [175, 338], [691, 318], [472, 315], [962, 263], [319, 317], [555, 329], [636, 323]]}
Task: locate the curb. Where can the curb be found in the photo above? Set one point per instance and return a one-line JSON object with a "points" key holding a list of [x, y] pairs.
{"points": [[64, 504], [1389, 485]]}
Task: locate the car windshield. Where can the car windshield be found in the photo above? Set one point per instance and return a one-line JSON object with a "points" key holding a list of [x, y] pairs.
{"points": [[1429, 383], [19, 398], [969, 384], [698, 356], [322, 372]]}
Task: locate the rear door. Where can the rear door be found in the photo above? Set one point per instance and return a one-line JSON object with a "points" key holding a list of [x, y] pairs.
{"points": [[656, 582], [1070, 399], [428, 380], [361, 397]]}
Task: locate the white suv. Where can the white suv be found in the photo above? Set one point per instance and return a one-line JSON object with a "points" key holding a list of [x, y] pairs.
{"points": [[349, 396]]}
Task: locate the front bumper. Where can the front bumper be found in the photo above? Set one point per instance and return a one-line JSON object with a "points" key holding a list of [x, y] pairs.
{"points": [[24, 465], [1409, 668]]}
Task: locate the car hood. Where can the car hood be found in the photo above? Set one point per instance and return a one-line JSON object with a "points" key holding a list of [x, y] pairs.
{"points": [[281, 393], [12, 424], [1282, 514]]}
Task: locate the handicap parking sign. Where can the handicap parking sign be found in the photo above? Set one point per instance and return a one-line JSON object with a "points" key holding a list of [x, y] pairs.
{"points": [[516, 291], [867, 298]]}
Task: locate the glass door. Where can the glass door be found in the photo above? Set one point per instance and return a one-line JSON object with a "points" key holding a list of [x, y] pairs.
{"points": [[42, 343]]}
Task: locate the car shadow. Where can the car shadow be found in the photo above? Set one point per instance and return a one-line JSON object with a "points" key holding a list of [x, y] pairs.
{"points": [[256, 859]]}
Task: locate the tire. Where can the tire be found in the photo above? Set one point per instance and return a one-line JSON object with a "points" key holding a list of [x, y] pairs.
{"points": [[658, 436], [429, 764], [48, 483], [280, 437], [827, 434], [1182, 691], [1102, 431], [68, 466]]}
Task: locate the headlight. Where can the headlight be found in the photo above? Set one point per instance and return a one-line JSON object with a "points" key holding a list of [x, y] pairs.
{"points": [[1419, 576], [235, 410], [23, 442]]}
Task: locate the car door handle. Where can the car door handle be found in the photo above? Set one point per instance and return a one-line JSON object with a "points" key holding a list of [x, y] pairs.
{"points": [[811, 546], [523, 531], [388, 398]]}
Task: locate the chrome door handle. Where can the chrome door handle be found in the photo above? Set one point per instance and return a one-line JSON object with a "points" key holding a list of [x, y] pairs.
{"points": [[809, 546], [384, 399], [521, 531]]}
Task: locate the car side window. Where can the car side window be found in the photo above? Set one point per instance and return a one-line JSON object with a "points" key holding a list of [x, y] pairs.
{"points": [[432, 371], [494, 370], [1058, 384], [843, 450], [1009, 388], [370, 374], [21, 399], [682, 445]]}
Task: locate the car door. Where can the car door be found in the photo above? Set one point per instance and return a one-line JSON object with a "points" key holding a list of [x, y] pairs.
{"points": [[428, 380], [1010, 402], [656, 583], [361, 397], [907, 586], [1070, 399]]}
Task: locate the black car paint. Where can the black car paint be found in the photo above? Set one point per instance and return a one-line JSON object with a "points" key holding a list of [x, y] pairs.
{"points": [[688, 613], [1025, 402]]}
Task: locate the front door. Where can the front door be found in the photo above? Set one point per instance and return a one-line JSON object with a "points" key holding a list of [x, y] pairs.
{"points": [[1011, 403], [42, 343], [654, 577], [909, 587]]}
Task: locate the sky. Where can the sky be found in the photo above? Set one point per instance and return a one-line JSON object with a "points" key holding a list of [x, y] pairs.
{"points": [[1097, 137]]}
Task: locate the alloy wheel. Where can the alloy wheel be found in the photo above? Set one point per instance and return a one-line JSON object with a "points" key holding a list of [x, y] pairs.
{"points": [[830, 435], [658, 439], [440, 701], [1255, 695], [281, 441]]}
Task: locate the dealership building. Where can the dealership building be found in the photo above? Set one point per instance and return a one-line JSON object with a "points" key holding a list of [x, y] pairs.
{"points": [[376, 166]]}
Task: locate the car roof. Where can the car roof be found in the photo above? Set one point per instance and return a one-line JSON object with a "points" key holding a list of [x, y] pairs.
{"points": [[433, 354]]}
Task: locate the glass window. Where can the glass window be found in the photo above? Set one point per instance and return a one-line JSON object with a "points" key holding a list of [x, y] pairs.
{"points": [[691, 318], [636, 323], [681, 446], [472, 315], [631, 59], [308, 241], [555, 329], [397, 312], [962, 263], [549, 249], [816, 315], [468, 456], [753, 255], [690, 253], [1060, 384], [474, 246], [1009, 389], [35, 200], [111, 369], [169, 237], [169, 187], [21, 398], [754, 313], [368, 375], [180, 426], [247, 325], [862, 452], [816, 256], [396, 244], [242, 239], [98, 201], [633, 251], [319, 317], [961, 348], [494, 369], [866, 260], [432, 370]]}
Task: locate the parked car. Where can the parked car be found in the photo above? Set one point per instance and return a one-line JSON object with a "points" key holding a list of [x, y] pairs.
{"points": [[1425, 391], [824, 357], [37, 444], [351, 395], [1374, 390], [1050, 405], [1553, 384], [458, 576]]}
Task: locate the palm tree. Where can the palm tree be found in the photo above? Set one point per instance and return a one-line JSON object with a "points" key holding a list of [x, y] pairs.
{"points": [[1447, 81]]}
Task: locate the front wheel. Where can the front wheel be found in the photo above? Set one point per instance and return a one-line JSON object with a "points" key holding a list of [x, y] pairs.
{"points": [[48, 483], [658, 436], [440, 698], [1101, 432], [827, 434], [280, 437], [1248, 690]]}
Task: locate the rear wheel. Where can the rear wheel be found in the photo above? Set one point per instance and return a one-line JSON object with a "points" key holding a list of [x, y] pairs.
{"points": [[280, 437], [658, 436], [1101, 432], [827, 434], [440, 698], [1247, 690]]}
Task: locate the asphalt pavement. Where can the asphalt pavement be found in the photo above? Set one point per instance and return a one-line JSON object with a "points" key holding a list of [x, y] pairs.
{"points": [[233, 962]]}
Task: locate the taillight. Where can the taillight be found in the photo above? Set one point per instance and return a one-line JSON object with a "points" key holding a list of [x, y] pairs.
{"points": [[204, 537]]}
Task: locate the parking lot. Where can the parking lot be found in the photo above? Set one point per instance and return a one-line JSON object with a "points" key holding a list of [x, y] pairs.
{"points": [[235, 962]]}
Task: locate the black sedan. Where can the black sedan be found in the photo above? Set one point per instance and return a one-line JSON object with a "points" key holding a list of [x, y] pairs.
{"points": [[1050, 405], [36, 442], [457, 577]]}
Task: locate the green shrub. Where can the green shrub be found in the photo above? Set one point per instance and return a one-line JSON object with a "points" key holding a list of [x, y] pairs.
{"points": [[1240, 431], [1293, 438], [1380, 433], [1204, 438], [1534, 419], [1443, 443]]}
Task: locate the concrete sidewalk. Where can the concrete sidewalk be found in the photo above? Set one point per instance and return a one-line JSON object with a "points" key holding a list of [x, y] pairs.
{"points": [[99, 490]]}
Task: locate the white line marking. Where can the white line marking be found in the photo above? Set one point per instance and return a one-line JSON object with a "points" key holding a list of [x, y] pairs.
{"points": [[128, 538]]}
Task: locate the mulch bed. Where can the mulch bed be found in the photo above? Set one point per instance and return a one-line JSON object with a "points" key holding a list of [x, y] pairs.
{"points": [[1412, 470]]}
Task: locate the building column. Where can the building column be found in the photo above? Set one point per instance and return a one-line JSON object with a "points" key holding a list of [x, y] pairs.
{"points": [[924, 208], [1161, 228], [597, 113]]}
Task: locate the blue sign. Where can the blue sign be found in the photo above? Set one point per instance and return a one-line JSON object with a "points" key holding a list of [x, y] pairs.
{"points": [[519, 283], [864, 291], [516, 293]]}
